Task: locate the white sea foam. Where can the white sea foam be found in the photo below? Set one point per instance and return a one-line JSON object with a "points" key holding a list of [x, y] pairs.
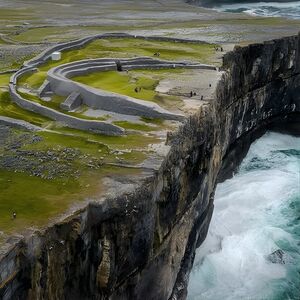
{"points": [[265, 9], [250, 221]]}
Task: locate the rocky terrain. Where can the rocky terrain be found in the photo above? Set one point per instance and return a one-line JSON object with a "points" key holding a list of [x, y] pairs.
{"points": [[147, 196], [147, 237]]}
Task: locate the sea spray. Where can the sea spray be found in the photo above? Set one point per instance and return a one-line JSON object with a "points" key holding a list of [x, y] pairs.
{"points": [[289, 10], [256, 214]]}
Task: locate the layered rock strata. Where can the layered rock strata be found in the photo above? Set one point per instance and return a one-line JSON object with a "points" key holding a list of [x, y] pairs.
{"points": [[140, 245]]}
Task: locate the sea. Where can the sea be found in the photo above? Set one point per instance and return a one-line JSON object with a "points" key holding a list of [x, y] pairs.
{"points": [[285, 9], [252, 251]]}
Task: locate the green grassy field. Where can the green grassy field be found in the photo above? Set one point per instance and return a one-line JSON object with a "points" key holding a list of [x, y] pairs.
{"points": [[37, 200], [131, 47], [125, 83]]}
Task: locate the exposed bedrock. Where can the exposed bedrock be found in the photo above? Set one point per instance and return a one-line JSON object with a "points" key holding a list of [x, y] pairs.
{"points": [[140, 245]]}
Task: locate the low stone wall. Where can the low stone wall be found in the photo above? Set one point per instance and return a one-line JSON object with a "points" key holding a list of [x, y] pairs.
{"points": [[45, 55], [117, 248], [92, 97], [69, 121], [61, 84], [72, 102], [18, 123]]}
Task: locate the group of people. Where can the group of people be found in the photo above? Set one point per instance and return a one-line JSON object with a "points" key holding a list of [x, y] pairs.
{"points": [[137, 89], [219, 49], [192, 94]]}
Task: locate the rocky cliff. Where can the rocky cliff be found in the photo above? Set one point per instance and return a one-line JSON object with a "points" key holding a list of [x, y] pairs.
{"points": [[140, 245]]}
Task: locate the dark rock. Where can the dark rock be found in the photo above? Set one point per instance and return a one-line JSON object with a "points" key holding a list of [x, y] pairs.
{"points": [[149, 254], [277, 257]]}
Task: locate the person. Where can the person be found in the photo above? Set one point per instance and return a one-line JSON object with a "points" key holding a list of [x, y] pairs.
{"points": [[136, 90], [194, 94], [14, 215], [221, 49], [210, 85], [191, 94], [201, 97]]}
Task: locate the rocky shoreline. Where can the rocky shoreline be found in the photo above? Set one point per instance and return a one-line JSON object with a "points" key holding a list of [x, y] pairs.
{"points": [[141, 244]]}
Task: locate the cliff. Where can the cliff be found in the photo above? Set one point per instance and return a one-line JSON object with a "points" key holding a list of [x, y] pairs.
{"points": [[140, 245]]}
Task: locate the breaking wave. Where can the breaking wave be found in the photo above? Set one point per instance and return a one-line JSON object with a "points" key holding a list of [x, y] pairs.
{"points": [[289, 10], [252, 250]]}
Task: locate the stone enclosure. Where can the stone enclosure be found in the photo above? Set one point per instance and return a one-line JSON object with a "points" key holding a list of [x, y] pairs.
{"points": [[106, 254], [59, 82]]}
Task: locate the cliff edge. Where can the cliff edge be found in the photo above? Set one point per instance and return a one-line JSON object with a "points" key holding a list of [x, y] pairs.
{"points": [[141, 244]]}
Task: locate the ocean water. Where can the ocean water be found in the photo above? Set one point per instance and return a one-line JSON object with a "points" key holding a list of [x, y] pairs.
{"points": [[256, 213], [289, 10]]}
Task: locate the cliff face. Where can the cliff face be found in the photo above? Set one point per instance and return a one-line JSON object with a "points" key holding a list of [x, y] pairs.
{"points": [[141, 244]]}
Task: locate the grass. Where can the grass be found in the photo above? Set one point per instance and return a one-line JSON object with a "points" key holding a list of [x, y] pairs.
{"points": [[55, 33], [38, 200], [55, 102], [125, 84], [9, 109], [120, 82], [135, 126], [69, 136], [33, 80], [131, 47], [44, 34], [4, 79], [130, 148], [155, 121], [35, 200]]}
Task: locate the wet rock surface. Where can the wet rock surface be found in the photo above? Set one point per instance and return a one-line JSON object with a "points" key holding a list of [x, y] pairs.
{"points": [[277, 257]]}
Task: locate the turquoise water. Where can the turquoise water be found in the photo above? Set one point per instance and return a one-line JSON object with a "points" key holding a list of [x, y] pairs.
{"points": [[256, 213]]}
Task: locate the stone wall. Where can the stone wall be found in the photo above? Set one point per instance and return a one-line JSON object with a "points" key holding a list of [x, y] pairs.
{"points": [[94, 98], [140, 245], [70, 121], [80, 43], [61, 84]]}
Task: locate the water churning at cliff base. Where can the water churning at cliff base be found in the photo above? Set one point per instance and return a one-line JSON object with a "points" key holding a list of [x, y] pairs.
{"points": [[252, 250]]}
